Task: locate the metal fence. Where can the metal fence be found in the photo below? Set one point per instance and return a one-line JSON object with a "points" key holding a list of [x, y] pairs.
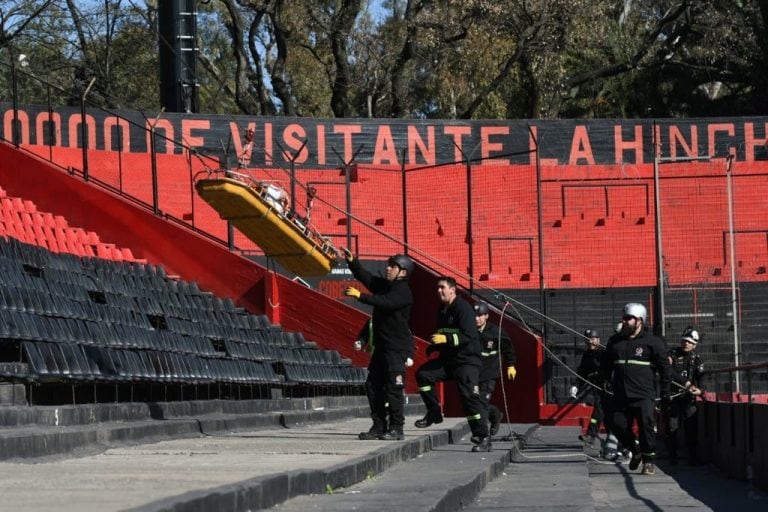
{"points": [[566, 245]]}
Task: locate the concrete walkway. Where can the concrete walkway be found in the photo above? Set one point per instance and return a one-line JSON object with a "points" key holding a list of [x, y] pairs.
{"points": [[325, 467], [123, 478], [555, 472]]}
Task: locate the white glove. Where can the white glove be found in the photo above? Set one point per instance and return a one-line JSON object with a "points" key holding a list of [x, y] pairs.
{"points": [[358, 345], [408, 362], [574, 391]]}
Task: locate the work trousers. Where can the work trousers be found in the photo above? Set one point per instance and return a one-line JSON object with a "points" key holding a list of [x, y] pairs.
{"points": [[466, 376]]}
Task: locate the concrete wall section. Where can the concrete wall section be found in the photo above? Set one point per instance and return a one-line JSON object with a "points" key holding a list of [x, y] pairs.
{"points": [[734, 437]]}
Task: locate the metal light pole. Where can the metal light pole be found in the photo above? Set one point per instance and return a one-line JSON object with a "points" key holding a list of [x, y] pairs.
{"points": [[734, 305], [659, 249]]}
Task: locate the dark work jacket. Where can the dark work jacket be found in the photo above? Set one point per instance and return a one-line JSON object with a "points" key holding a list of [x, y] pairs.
{"points": [[630, 366], [457, 321], [489, 344], [589, 366], [391, 303], [686, 367]]}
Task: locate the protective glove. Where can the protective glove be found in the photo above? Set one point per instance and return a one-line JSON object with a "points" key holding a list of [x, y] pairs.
{"points": [[408, 362], [347, 255], [511, 372], [439, 339], [352, 292], [574, 391]]}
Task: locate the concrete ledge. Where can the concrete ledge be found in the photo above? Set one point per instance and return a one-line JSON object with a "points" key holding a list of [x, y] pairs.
{"points": [[12, 394], [89, 436], [460, 496], [266, 491], [86, 414]]}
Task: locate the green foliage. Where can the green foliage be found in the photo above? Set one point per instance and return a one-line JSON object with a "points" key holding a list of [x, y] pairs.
{"points": [[407, 58]]}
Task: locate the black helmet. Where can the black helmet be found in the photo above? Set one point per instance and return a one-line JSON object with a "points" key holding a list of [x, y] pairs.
{"points": [[481, 308], [591, 333], [402, 261]]}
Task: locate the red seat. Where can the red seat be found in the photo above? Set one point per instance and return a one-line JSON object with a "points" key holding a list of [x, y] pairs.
{"points": [[127, 254], [104, 251], [93, 237], [60, 221]]}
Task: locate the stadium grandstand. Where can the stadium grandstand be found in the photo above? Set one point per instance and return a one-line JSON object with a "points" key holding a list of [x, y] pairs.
{"points": [[126, 297]]}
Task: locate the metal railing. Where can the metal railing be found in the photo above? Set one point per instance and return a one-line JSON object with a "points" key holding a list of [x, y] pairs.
{"points": [[750, 373]]}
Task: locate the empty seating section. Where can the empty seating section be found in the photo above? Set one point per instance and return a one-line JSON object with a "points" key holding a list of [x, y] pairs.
{"points": [[66, 318]]}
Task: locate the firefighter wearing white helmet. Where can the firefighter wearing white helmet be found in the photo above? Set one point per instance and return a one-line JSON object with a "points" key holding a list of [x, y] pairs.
{"points": [[686, 368], [630, 363]]}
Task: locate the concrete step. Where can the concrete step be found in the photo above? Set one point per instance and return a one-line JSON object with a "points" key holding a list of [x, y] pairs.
{"points": [[447, 478], [361, 461], [76, 431], [227, 471], [548, 473]]}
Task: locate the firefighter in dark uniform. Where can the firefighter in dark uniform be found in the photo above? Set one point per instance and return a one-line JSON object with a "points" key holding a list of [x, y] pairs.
{"points": [[458, 344], [630, 362], [495, 346], [391, 341], [686, 367], [589, 390]]}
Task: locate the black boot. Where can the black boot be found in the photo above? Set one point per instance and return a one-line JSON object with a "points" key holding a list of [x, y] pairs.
{"points": [[432, 417], [372, 434], [483, 446], [378, 428], [393, 434]]}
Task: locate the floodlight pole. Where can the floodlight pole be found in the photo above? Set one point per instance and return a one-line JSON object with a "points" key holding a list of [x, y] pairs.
{"points": [[734, 306], [659, 250]]}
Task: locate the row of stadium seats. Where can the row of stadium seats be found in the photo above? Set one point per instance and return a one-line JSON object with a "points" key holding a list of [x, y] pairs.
{"points": [[57, 362], [69, 361], [79, 319]]}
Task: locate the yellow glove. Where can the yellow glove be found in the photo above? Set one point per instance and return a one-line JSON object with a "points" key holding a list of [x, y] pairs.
{"points": [[352, 292], [347, 255], [439, 339], [511, 372]]}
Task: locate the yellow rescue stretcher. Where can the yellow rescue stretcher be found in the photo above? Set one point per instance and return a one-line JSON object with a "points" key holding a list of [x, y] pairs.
{"points": [[262, 216]]}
